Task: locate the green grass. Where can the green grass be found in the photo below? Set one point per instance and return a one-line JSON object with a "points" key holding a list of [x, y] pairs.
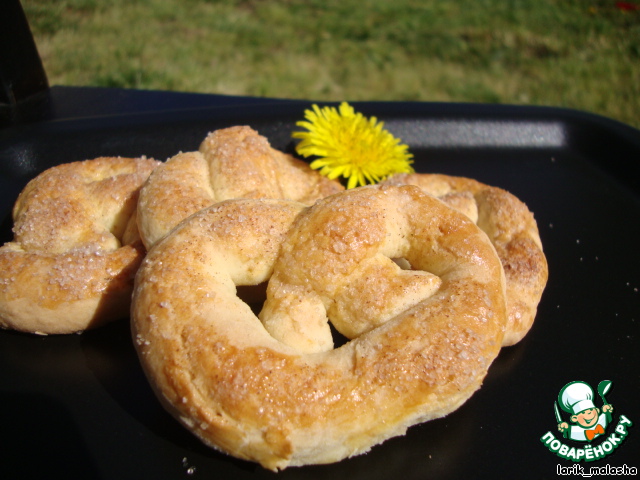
{"points": [[579, 54]]}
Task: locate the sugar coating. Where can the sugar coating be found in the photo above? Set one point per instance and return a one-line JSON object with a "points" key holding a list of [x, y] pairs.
{"points": [[76, 248], [513, 231], [247, 384], [233, 162]]}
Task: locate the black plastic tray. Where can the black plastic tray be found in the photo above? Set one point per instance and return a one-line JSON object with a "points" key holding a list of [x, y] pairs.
{"points": [[80, 406]]}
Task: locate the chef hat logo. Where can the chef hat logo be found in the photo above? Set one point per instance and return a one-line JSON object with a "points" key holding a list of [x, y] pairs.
{"points": [[576, 397]]}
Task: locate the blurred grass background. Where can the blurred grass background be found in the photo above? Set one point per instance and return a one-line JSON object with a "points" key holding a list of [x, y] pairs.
{"points": [[582, 54]]}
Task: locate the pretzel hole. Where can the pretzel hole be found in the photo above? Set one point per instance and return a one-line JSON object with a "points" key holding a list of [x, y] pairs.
{"points": [[338, 338], [253, 295], [402, 262]]}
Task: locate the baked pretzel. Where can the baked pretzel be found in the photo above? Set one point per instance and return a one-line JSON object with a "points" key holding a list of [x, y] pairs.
{"points": [[428, 335], [512, 229], [76, 247], [234, 162]]}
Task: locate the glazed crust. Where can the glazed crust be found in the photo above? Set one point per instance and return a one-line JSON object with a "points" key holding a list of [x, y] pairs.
{"points": [[234, 162], [423, 351], [511, 228], [76, 247]]}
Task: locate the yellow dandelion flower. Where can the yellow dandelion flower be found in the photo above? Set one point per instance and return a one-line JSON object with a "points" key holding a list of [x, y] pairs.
{"points": [[348, 144]]}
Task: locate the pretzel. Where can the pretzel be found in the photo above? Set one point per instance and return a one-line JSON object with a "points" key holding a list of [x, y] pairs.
{"points": [[513, 231], [76, 247], [234, 162], [288, 398]]}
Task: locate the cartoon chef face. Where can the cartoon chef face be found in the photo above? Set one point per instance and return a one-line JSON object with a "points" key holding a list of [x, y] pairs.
{"points": [[586, 418]]}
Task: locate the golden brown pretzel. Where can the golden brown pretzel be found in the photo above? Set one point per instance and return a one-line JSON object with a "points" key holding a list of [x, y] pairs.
{"points": [[511, 228], [76, 247], [216, 368], [233, 162]]}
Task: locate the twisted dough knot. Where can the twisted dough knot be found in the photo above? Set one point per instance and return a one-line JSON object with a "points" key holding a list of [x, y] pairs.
{"points": [[423, 346], [76, 247], [234, 162], [513, 231]]}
